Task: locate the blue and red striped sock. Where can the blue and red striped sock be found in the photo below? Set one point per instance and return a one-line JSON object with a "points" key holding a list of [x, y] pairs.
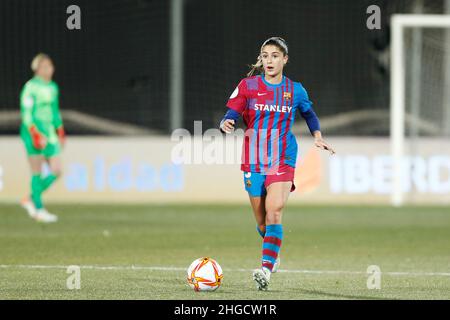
{"points": [[271, 245]]}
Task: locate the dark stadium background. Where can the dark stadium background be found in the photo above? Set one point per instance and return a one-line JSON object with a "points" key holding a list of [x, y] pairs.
{"points": [[116, 66]]}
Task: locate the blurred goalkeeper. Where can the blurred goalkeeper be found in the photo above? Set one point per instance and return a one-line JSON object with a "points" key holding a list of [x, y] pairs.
{"points": [[42, 133]]}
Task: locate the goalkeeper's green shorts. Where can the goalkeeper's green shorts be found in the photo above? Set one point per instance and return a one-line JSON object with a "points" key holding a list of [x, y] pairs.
{"points": [[51, 149]]}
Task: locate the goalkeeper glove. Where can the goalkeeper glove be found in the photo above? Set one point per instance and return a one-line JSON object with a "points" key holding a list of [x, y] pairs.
{"points": [[61, 135], [37, 138]]}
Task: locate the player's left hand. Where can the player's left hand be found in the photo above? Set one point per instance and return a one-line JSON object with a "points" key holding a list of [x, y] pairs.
{"points": [[320, 143], [227, 126]]}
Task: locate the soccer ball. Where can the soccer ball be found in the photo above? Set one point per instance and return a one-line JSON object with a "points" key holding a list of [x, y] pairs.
{"points": [[204, 274]]}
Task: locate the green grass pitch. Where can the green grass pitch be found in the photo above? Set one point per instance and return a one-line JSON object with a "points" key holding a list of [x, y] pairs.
{"points": [[325, 253]]}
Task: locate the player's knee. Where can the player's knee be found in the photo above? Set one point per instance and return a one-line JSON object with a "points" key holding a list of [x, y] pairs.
{"points": [[274, 207], [274, 210], [273, 218]]}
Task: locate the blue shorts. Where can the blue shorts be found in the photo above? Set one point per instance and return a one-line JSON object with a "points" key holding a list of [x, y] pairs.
{"points": [[256, 183]]}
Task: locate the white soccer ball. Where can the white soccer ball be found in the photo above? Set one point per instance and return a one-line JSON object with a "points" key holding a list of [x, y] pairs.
{"points": [[204, 274]]}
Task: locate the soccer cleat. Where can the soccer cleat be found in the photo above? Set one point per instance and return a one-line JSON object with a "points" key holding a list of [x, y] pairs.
{"points": [[276, 265], [28, 205], [42, 215], [262, 278]]}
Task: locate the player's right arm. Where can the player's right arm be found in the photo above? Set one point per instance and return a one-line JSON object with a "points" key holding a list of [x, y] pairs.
{"points": [[27, 104], [236, 105]]}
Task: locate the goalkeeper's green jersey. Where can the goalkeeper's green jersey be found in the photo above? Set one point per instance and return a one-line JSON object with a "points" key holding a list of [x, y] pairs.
{"points": [[39, 106]]}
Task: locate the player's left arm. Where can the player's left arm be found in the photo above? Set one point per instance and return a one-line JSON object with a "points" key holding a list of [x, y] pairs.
{"points": [[57, 119], [307, 112]]}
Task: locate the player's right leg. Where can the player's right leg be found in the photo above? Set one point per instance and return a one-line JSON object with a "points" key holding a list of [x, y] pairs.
{"points": [[33, 202], [54, 162], [259, 211], [37, 188], [254, 185]]}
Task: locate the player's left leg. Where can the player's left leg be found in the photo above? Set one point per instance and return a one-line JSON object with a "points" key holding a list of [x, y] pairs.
{"points": [[277, 196], [278, 186], [259, 210]]}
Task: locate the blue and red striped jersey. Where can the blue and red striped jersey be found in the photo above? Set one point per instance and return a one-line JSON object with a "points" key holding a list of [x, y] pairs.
{"points": [[268, 111]]}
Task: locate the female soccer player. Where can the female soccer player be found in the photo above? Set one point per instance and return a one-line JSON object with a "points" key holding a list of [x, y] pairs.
{"points": [[268, 103], [42, 133]]}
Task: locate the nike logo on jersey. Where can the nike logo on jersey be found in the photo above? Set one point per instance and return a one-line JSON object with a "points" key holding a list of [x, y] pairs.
{"points": [[280, 173], [262, 94], [272, 108]]}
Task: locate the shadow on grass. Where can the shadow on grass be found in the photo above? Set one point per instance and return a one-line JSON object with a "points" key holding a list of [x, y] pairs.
{"points": [[299, 294], [252, 293], [342, 296]]}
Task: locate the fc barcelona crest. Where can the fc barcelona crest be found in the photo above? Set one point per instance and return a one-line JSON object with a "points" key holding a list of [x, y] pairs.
{"points": [[287, 96]]}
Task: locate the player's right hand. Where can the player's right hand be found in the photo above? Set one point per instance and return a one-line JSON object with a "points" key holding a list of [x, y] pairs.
{"points": [[227, 125], [37, 138]]}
